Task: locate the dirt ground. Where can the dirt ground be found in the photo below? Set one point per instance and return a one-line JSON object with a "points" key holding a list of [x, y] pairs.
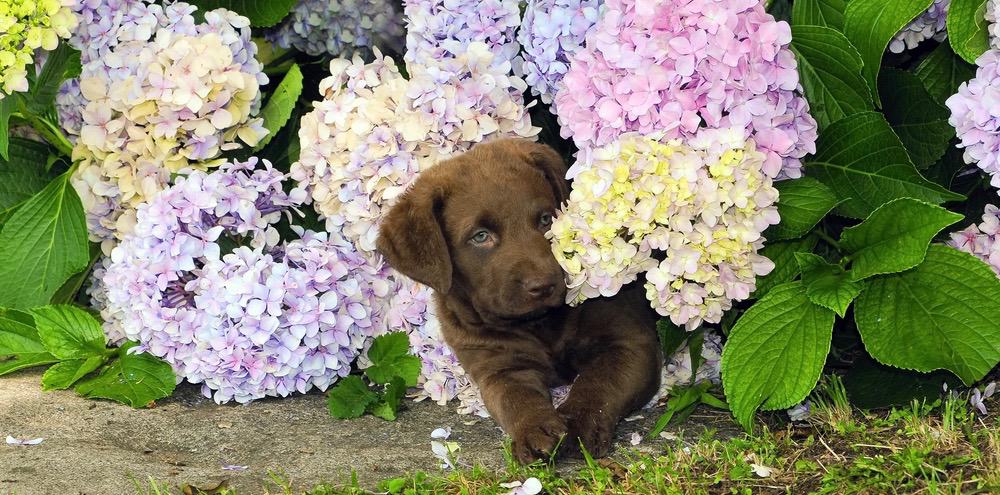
{"points": [[99, 447]]}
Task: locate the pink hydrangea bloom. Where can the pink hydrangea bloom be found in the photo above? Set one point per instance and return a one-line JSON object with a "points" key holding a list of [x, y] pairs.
{"points": [[975, 115], [981, 239], [677, 66]]}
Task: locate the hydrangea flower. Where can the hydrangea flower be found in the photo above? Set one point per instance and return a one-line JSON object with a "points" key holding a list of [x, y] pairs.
{"points": [[678, 66], [992, 11], [701, 205], [174, 102], [975, 115], [266, 318], [340, 28], [552, 30], [437, 29], [981, 239], [69, 107], [929, 24], [26, 26]]}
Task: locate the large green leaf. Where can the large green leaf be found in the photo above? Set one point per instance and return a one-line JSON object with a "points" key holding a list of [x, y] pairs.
{"points": [[802, 203], [775, 353], [920, 122], [44, 243], [22, 176], [262, 13], [942, 314], [350, 398], [8, 105], [390, 356], [388, 406], [943, 71], [827, 284], [44, 89], [968, 30], [830, 69], [64, 374], [828, 13], [281, 103], [863, 161], [133, 379], [871, 24], [671, 336], [782, 254], [894, 237], [20, 346], [69, 332]]}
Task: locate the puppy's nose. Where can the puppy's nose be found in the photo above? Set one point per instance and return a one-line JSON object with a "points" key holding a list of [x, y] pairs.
{"points": [[539, 287]]}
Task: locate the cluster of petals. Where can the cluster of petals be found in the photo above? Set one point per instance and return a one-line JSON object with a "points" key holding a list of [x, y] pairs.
{"points": [[975, 115], [205, 283], [981, 239], [992, 14], [680, 65], [433, 25], [551, 31], [930, 24], [155, 106], [27, 26], [339, 28], [689, 214]]}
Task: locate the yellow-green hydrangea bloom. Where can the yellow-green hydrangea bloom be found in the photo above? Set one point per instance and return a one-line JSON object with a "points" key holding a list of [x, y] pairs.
{"points": [[26, 26]]}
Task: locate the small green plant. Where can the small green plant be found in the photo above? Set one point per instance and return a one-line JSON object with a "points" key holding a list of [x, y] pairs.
{"points": [[392, 371]]}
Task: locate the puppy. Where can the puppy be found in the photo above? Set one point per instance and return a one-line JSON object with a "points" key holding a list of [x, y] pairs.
{"points": [[473, 229]]}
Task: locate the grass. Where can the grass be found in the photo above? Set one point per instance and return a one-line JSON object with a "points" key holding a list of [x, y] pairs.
{"points": [[941, 447]]}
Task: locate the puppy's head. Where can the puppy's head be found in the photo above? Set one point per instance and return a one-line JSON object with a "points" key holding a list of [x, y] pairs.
{"points": [[474, 226]]}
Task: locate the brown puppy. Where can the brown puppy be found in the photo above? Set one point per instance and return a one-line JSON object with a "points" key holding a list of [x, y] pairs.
{"points": [[473, 229]]}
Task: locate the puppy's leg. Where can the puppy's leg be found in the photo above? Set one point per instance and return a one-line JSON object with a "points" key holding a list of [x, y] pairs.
{"points": [[618, 361], [515, 389]]}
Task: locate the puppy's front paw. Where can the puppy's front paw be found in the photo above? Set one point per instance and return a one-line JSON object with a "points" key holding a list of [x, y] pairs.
{"points": [[589, 427], [537, 436]]}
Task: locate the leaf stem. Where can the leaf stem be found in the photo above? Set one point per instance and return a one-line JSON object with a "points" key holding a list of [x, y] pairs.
{"points": [[829, 240]]}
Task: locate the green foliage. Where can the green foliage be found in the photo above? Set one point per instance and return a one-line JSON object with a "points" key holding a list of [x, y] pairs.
{"points": [[393, 368], [802, 203], [390, 356], [920, 122], [942, 314], [786, 268], [262, 13], [943, 71], [69, 332], [775, 353], [133, 379], [894, 237], [350, 398], [7, 107], [44, 243], [830, 70], [871, 385], [22, 176], [20, 346], [827, 13], [968, 29], [672, 337], [827, 285], [62, 63], [281, 104]]}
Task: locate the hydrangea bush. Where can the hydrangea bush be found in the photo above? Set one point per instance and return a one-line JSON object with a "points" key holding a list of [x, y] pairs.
{"points": [[698, 170]]}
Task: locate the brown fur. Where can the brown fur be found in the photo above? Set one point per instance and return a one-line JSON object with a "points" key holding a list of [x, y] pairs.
{"points": [[501, 302]]}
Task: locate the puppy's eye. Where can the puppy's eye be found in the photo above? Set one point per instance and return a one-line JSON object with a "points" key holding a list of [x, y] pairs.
{"points": [[482, 236], [545, 220]]}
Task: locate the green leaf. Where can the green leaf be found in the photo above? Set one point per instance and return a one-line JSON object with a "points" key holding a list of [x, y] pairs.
{"points": [[695, 344], [782, 254], [943, 71], [827, 284], [262, 13], [281, 103], [69, 332], [43, 92], [672, 337], [828, 13], [64, 374], [894, 237], [388, 406], [69, 290], [968, 30], [942, 314], [390, 356], [871, 385], [133, 379], [20, 346], [8, 105], [23, 175], [775, 353], [802, 203], [44, 243], [349, 398], [871, 24], [920, 122], [830, 69], [863, 161]]}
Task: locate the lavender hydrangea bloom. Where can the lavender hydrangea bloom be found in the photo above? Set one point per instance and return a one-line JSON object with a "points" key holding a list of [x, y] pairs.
{"points": [[975, 115], [265, 319], [433, 25], [340, 28], [69, 107], [981, 239], [678, 66], [929, 24], [552, 30]]}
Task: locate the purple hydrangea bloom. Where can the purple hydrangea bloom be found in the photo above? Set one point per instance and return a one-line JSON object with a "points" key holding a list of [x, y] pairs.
{"points": [[267, 318], [929, 24], [681, 65], [975, 115], [339, 28], [437, 29], [981, 239], [552, 30]]}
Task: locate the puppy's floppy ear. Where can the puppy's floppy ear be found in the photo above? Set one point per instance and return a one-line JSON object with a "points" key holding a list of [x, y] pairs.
{"points": [[411, 238], [543, 157]]}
